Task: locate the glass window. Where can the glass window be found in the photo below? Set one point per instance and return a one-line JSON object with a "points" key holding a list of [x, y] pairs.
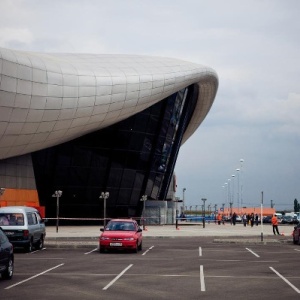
{"points": [[11, 219]]}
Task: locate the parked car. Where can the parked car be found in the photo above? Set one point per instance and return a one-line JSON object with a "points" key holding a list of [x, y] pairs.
{"points": [[6, 257], [296, 234], [267, 219], [289, 220], [23, 226], [122, 234]]}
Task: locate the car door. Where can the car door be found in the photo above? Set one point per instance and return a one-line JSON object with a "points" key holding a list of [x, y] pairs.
{"points": [[3, 253]]}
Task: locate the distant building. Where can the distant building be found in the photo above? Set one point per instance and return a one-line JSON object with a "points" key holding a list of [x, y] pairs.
{"points": [[86, 124]]}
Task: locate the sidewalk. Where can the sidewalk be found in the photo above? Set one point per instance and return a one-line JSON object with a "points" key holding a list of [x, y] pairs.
{"points": [[87, 235]]}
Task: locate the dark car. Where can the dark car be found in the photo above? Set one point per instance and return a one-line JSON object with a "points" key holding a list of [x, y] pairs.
{"points": [[267, 219], [121, 234], [6, 257], [296, 234], [289, 220]]}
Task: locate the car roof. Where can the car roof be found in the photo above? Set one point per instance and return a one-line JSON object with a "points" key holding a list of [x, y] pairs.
{"points": [[15, 209]]}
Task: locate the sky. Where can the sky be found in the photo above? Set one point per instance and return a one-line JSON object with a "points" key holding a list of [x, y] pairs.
{"points": [[254, 47]]}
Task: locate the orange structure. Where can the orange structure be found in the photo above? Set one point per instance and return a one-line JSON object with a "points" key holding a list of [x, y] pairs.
{"points": [[266, 211], [22, 197]]}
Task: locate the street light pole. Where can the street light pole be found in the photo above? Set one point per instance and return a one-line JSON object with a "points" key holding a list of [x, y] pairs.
{"points": [[241, 168], [144, 199], [261, 216], [183, 203], [238, 193], [203, 199], [104, 196], [57, 195]]}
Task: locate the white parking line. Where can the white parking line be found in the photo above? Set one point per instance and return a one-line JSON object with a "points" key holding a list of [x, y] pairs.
{"points": [[116, 278], [11, 286], [202, 283], [252, 252], [284, 279], [148, 250], [91, 251], [297, 249], [200, 251]]}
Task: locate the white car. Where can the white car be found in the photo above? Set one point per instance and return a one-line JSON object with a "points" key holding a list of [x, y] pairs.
{"points": [[23, 226]]}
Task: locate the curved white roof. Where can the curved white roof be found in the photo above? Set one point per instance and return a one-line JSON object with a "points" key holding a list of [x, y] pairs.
{"points": [[47, 99]]}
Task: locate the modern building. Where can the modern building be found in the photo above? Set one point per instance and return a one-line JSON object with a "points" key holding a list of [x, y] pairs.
{"points": [[86, 124]]}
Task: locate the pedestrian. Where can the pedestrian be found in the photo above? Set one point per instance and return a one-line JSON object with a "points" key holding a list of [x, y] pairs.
{"points": [[252, 219], [219, 219], [234, 218], [245, 219], [256, 219], [275, 224]]}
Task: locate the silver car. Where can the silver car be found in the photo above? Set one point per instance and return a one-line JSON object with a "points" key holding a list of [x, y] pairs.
{"points": [[23, 226]]}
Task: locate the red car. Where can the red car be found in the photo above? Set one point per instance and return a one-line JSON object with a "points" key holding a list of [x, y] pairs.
{"points": [[123, 234], [296, 234]]}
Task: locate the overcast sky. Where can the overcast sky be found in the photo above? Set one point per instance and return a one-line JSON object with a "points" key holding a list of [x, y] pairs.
{"points": [[254, 46]]}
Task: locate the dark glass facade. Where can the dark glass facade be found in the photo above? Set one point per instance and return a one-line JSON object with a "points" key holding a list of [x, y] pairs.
{"points": [[129, 159]]}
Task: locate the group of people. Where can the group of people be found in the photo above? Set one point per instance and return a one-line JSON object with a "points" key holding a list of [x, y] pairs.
{"points": [[249, 219]]}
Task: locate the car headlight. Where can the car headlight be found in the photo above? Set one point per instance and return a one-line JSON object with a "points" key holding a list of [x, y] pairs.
{"points": [[129, 239], [103, 238]]}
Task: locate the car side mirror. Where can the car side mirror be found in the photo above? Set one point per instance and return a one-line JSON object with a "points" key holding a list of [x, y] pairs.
{"points": [[140, 229]]}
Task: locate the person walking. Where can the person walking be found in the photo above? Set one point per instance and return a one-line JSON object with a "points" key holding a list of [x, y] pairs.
{"points": [[256, 219], [245, 219], [234, 218], [275, 224]]}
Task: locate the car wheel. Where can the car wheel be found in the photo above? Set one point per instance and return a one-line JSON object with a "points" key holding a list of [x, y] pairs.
{"points": [[140, 246], [40, 243], [29, 247], [294, 241], [136, 248], [8, 273], [101, 250]]}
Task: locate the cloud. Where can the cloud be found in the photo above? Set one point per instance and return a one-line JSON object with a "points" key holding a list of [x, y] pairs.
{"points": [[20, 36]]}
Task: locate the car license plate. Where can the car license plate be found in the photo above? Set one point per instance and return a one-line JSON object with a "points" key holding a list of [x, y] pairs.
{"points": [[9, 232], [116, 244]]}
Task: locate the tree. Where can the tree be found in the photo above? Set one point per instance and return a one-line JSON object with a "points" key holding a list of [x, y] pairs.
{"points": [[296, 206]]}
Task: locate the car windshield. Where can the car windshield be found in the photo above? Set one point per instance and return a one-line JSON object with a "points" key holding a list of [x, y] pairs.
{"points": [[123, 226], [11, 219]]}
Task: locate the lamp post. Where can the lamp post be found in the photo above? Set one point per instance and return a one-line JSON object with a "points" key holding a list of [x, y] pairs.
{"points": [[261, 216], [241, 170], [232, 188], [238, 193], [104, 196], [203, 199], [183, 203], [57, 195], [144, 199]]}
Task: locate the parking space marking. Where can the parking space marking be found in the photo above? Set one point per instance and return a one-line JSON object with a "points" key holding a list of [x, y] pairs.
{"points": [[200, 251], [285, 280], [32, 277], [297, 249], [148, 250], [252, 252], [91, 251], [117, 277], [202, 283]]}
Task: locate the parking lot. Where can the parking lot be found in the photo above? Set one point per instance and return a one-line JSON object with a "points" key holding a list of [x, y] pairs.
{"points": [[166, 268]]}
